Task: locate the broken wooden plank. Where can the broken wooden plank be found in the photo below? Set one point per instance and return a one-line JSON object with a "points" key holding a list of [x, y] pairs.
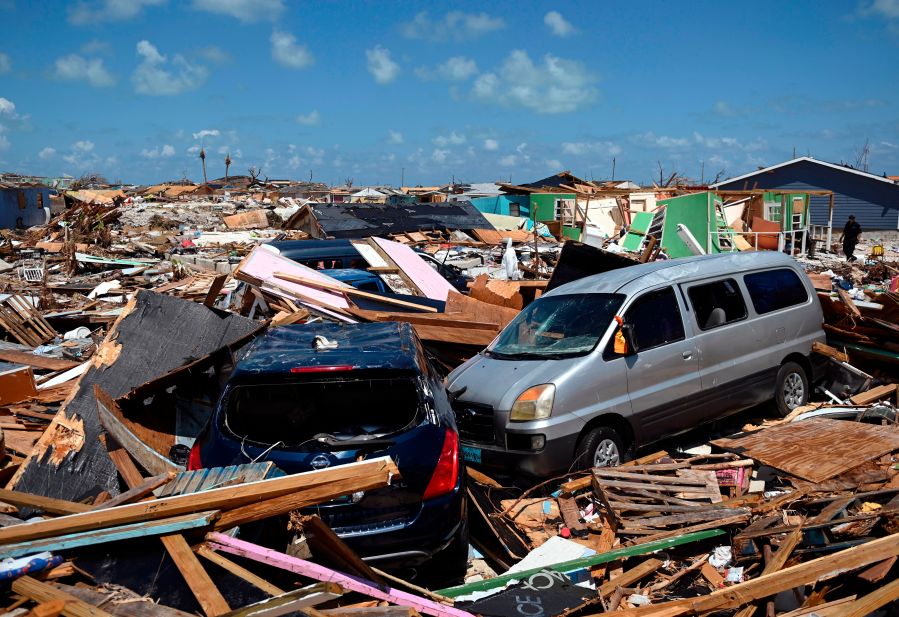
{"points": [[45, 504], [308, 569], [847, 300], [238, 570], [37, 361], [112, 534], [207, 594], [773, 583], [629, 577], [326, 545], [290, 601], [369, 474], [868, 604], [44, 592], [138, 492], [831, 352], [874, 394]]}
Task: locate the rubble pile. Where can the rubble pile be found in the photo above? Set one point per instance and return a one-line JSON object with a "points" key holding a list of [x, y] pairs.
{"points": [[125, 316]]}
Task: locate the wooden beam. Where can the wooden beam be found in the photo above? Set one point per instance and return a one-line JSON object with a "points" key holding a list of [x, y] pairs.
{"points": [[291, 601], [238, 570], [771, 584], [45, 504], [873, 601], [630, 577], [138, 492], [122, 461], [214, 289], [873, 395], [42, 362], [831, 352], [207, 594], [111, 534], [368, 474], [44, 592]]}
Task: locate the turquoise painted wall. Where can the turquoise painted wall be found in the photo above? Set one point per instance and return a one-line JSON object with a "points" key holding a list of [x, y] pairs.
{"points": [[501, 204]]}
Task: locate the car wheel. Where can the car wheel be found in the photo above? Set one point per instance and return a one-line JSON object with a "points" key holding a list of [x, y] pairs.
{"points": [[449, 566], [601, 447], [792, 389]]}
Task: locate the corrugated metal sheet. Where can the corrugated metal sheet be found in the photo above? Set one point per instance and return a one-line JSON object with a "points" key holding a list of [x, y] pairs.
{"points": [[875, 204], [215, 477]]}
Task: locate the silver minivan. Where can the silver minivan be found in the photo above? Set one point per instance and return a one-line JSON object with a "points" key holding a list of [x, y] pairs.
{"points": [[596, 368]]}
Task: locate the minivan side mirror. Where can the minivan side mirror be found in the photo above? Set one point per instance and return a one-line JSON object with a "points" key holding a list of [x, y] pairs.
{"points": [[627, 332]]}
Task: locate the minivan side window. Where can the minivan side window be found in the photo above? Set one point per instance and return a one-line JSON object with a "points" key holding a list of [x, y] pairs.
{"points": [[656, 319], [773, 290], [716, 304]]}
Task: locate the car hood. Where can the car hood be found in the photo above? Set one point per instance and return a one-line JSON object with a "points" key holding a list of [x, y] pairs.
{"points": [[498, 383]]}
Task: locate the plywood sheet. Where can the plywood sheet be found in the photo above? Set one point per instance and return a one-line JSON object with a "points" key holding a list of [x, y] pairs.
{"points": [[816, 449], [254, 219], [416, 269]]}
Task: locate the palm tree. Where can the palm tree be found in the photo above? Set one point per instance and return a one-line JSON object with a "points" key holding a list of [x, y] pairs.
{"points": [[203, 158], [227, 165]]}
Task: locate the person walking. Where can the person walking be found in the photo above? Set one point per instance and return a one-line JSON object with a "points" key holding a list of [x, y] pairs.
{"points": [[852, 233]]}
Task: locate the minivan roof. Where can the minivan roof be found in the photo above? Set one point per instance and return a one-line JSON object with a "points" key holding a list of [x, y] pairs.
{"points": [[674, 270], [387, 345]]}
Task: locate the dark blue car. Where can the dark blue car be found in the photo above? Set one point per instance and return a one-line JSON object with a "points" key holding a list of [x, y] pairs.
{"points": [[318, 395]]}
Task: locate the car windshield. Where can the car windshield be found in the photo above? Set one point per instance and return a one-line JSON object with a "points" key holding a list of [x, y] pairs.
{"points": [[557, 327]]}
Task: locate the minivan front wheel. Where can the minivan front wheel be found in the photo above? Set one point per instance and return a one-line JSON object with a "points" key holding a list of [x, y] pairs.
{"points": [[792, 388], [601, 447]]}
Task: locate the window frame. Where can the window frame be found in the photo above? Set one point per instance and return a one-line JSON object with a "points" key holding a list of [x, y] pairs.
{"points": [[688, 299]]}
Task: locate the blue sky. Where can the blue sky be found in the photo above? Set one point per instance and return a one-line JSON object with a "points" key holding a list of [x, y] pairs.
{"points": [[478, 91]]}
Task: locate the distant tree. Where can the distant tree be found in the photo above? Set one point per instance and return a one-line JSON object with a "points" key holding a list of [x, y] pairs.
{"points": [[349, 183], [203, 159], [227, 165], [254, 173], [861, 155], [90, 180]]}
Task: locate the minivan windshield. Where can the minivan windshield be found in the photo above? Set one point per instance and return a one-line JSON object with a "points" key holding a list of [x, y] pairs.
{"points": [[557, 327]]}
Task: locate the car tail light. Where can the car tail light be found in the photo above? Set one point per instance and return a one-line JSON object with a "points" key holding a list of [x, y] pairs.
{"points": [[447, 471], [322, 369], [193, 460]]}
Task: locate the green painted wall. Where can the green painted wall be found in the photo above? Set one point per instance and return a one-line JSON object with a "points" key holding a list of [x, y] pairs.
{"points": [[544, 204], [693, 211]]}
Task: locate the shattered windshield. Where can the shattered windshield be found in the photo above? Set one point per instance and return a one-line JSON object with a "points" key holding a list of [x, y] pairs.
{"points": [[557, 326]]}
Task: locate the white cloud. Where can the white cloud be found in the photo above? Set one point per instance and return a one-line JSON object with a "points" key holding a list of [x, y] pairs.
{"points": [[652, 140], [7, 108], [4, 142], [78, 68], [214, 54], [554, 86], [454, 25], [553, 163], [206, 133], [287, 52], [244, 10], [491, 144], [458, 68], [155, 75], [5, 63], [95, 47], [558, 24], [46, 153], [381, 65], [889, 145], [439, 155], [83, 146], [87, 13], [311, 119], [394, 137], [715, 142], [166, 151], [453, 139], [580, 148], [194, 150], [82, 154], [510, 160], [886, 8]]}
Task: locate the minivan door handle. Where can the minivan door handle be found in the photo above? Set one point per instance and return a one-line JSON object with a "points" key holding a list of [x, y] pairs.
{"points": [[687, 354]]}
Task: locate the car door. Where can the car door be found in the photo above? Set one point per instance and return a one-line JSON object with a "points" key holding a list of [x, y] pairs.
{"points": [[718, 314], [663, 375]]}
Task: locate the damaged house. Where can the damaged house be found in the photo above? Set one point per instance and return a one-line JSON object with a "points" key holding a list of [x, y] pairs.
{"points": [[24, 206]]}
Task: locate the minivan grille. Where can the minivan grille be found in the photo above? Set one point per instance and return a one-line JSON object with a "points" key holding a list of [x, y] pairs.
{"points": [[475, 422]]}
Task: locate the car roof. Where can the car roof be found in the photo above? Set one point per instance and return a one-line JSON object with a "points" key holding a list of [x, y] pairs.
{"points": [[350, 274], [673, 271], [387, 345], [313, 249]]}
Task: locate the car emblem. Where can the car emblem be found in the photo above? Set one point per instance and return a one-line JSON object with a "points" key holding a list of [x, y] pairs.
{"points": [[320, 462]]}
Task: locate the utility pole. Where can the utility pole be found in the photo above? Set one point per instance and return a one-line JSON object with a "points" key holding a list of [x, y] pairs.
{"points": [[403, 178], [613, 168], [701, 172]]}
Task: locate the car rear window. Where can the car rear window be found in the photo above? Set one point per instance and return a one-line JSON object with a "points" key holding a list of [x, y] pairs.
{"points": [[295, 413], [773, 290], [716, 304]]}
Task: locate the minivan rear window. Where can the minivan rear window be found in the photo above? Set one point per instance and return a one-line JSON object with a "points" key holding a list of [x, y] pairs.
{"points": [[557, 327], [717, 303], [773, 290], [296, 413]]}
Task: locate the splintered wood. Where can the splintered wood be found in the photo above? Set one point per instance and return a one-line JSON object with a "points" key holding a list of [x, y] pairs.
{"points": [[816, 449]]}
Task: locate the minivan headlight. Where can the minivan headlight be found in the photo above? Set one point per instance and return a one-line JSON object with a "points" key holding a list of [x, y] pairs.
{"points": [[534, 404]]}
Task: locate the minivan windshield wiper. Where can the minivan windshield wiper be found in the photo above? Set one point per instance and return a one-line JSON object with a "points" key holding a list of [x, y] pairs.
{"points": [[352, 443], [522, 355]]}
